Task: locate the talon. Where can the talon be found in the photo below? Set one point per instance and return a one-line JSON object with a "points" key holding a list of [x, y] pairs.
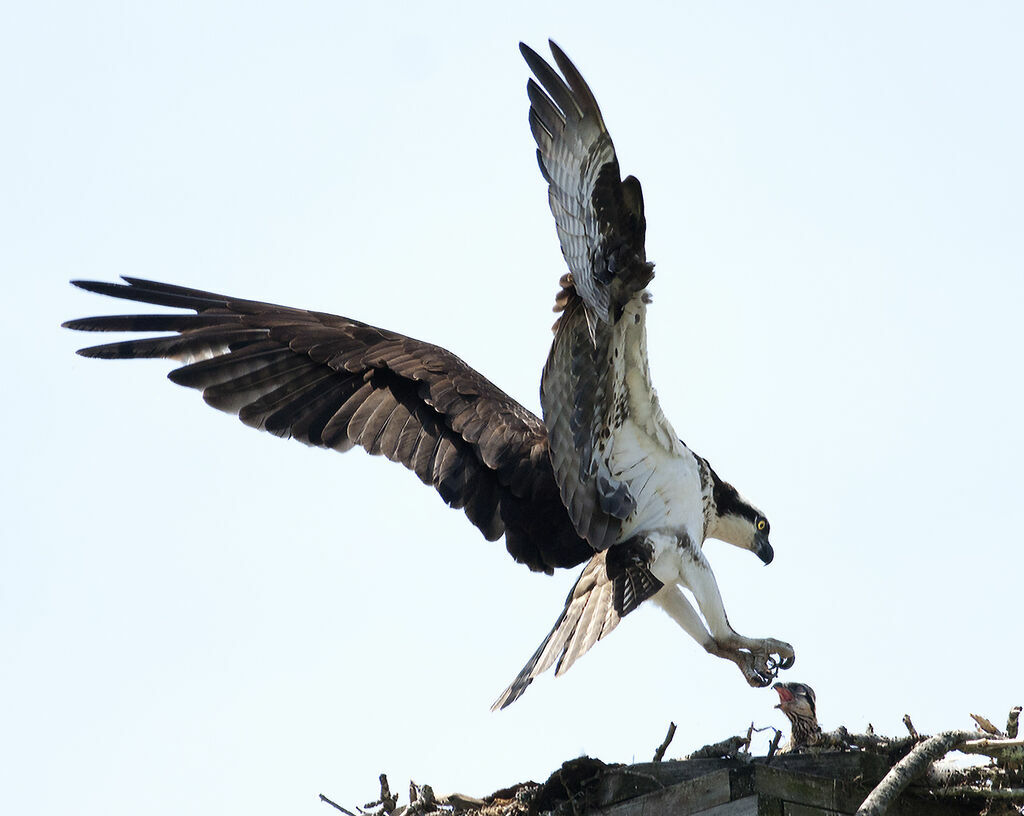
{"points": [[758, 681]]}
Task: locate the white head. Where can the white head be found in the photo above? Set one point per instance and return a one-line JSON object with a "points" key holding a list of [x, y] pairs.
{"points": [[735, 521]]}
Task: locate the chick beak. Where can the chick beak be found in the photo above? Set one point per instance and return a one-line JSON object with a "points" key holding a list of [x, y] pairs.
{"points": [[785, 695]]}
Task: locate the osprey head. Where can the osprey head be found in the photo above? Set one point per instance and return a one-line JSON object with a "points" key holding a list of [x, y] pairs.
{"points": [[796, 701], [735, 521]]}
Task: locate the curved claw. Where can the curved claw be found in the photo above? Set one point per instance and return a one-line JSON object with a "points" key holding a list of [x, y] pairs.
{"points": [[760, 661], [769, 648], [757, 680], [756, 671], [762, 665]]}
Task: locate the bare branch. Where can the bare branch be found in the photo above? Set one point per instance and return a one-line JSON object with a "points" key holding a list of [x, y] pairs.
{"points": [[1011, 722], [387, 799], [1004, 749], [726, 748], [659, 755], [460, 801], [1013, 794], [910, 768], [336, 806], [910, 727], [774, 746], [986, 725]]}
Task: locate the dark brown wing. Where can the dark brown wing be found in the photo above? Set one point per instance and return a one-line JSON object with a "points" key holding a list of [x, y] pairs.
{"points": [[334, 382]]}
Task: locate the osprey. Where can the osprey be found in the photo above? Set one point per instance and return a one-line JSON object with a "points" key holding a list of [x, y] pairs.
{"points": [[602, 479], [797, 702]]}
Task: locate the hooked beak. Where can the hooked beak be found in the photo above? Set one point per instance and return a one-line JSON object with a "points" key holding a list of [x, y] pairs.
{"points": [[785, 695], [762, 549]]}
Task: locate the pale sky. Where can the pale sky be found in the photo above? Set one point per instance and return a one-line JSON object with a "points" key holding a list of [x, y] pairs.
{"points": [[199, 618]]}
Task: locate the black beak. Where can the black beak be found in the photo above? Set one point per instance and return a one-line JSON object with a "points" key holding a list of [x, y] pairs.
{"points": [[763, 549]]}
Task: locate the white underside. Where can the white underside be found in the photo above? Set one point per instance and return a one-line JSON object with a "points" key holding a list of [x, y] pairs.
{"points": [[665, 484], [646, 455]]}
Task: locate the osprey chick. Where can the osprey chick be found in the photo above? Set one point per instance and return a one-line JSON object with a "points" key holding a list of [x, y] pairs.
{"points": [[797, 702]]}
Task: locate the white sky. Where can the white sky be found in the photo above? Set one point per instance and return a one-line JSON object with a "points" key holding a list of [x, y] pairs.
{"points": [[198, 618]]}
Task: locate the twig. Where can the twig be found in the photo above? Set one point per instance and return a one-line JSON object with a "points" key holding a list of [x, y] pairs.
{"points": [[995, 748], [909, 768], [910, 727], [459, 801], [986, 725], [837, 740], [659, 755], [1013, 794], [895, 748], [336, 805], [774, 746], [1011, 722], [726, 748], [421, 798]]}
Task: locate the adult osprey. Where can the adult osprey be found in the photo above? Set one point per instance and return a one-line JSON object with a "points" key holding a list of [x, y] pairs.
{"points": [[603, 479]]}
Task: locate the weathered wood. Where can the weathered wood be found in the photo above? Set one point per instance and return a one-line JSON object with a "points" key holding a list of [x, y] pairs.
{"points": [[683, 799], [795, 787], [769, 805], [815, 782], [621, 784], [738, 807], [793, 809]]}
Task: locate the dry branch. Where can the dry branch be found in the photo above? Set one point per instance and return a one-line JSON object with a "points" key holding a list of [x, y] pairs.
{"points": [[726, 749], [1012, 722], [659, 755], [910, 768], [961, 791], [993, 747], [336, 806], [986, 725]]}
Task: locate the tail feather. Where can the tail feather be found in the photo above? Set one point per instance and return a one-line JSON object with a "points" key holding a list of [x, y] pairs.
{"points": [[590, 598], [612, 585]]}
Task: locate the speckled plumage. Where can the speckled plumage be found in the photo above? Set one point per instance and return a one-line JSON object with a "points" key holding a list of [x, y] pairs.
{"points": [[797, 701], [625, 477], [602, 479]]}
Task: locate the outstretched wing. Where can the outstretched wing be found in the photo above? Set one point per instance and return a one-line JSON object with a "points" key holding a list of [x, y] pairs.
{"points": [[333, 382], [613, 584], [596, 378], [599, 217]]}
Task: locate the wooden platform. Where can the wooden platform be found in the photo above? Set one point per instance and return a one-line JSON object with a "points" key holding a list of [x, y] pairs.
{"points": [[788, 785]]}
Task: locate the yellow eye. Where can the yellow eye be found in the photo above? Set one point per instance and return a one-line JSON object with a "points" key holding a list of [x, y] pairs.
{"points": [[760, 524]]}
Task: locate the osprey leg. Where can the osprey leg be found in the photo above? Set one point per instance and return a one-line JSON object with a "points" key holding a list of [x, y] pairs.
{"points": [[759, 659], [675, 603]]}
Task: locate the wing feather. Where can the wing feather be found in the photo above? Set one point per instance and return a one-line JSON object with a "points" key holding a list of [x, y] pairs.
{"points": [[585, 392], [598, 217], [334, 382]]}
